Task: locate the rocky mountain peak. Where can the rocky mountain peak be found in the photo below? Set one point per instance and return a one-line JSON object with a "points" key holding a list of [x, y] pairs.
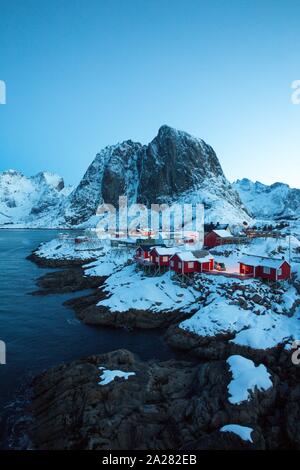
{"points": [[50, 179], [173, 167], [175, 162], [172, 164]]}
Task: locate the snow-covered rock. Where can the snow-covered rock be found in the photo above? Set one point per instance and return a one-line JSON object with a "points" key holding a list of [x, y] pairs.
{"points": [[246, 378], [174, 167], [128, 289], [65, 249], [277, 201], [33, 201], [107, 376], [258, 331], [244, 432], [240, 314]]}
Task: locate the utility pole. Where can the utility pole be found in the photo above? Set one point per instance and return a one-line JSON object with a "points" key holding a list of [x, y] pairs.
{"points": [[290, 250], [289, 242]]}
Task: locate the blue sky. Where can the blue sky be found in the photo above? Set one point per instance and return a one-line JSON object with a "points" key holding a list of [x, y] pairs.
{"points": [[82, 74]]}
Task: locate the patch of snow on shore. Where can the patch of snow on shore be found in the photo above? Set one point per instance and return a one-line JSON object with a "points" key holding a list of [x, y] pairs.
{"points": [[242, 431], [67, 249], [108, 376], [109, 261], [246, 377]]}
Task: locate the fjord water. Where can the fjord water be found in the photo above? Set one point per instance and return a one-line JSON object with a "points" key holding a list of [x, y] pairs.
{"points": [[39, 331]]}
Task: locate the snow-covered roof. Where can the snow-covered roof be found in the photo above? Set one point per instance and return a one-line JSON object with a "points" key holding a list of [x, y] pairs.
{"points": [[205, 259], [222, 233], [255, 260], [165, 251], [190, 256], [186, 256]]}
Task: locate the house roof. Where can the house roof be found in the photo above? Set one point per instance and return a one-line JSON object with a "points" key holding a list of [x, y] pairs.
{"points": [[165, 251], [200, 256], [187, 256], [223, 233], [256, 260]]}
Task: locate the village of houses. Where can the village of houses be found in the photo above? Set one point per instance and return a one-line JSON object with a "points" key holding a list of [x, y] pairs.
{"points": [[183, 261], [245, 284]]}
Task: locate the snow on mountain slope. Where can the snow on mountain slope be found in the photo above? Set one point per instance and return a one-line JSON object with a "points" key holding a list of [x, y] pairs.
{"points": [[277, 201], [174, 167], [112, 173], [31, 202]]}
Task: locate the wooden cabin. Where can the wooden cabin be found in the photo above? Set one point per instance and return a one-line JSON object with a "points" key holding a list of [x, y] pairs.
{"points": [[160, 255], [217, 237], [189, 262], [272, 269], [143, 252]]}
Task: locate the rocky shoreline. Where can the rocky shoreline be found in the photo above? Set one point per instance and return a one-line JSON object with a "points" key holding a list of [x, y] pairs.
{"points": [[218, 347], [57, 263], [67, 280], [88, 312], [85, 307], [165, 405]]}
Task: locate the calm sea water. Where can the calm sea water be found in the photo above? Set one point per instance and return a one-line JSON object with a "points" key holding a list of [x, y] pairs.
{"points": [[39, 331]]}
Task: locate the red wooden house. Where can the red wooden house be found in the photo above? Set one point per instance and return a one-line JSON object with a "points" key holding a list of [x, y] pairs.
{"points": [[272, 269], [143, 252], [160, 255], [188, 262], [217, 237]]}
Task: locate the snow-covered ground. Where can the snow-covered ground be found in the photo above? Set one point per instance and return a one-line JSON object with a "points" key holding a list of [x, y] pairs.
{"points": [[255, 314], [273, 247], [246, 378], [230, 309], [130, 289], [66, 249], [110, 260], [256, 325]]}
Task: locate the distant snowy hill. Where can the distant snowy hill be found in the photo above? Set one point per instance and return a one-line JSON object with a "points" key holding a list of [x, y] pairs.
{"points": [[277, 201], [33, 201]]}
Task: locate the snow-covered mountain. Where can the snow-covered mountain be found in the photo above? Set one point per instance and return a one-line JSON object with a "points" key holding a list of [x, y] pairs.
{"points": [[174, 167], [33, 201], [277, 201]]}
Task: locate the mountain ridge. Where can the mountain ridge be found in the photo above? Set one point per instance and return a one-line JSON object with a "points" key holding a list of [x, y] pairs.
{"points": [[173, 167], [276, 201]]}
